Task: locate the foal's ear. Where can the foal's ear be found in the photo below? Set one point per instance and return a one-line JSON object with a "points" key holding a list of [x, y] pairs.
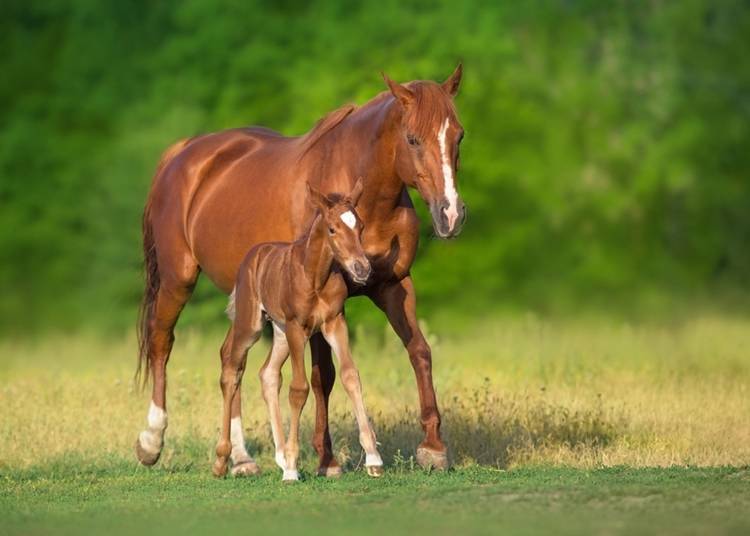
{"points": [[356, 192], [451, 85], [317, 199], [401, 92]]}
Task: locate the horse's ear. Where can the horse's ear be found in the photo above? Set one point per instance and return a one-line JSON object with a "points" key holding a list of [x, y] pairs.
{"points": [[316, 198], [402, 93], [451, 84], [356, 192]]}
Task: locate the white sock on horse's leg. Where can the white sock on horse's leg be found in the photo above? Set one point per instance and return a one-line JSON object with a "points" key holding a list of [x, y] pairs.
{"points": [[152, 438]]}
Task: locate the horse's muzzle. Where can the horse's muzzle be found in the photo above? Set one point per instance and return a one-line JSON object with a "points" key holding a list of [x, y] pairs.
{"points": [[448, 220]]}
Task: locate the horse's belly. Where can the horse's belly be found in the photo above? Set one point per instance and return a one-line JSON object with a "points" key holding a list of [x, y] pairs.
{"points": [[250, 204]]}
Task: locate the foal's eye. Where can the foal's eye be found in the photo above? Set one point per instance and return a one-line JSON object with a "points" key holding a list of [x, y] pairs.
{"points": [[331, 230], [412, 139]]}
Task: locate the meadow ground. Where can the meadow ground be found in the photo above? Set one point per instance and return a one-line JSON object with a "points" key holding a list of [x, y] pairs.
{"points": [[580, 426]]}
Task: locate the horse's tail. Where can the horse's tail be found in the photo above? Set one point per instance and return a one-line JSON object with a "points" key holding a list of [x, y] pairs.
{"points": [[151, 273]]}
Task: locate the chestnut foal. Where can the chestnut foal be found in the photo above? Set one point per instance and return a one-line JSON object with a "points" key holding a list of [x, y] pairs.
{"points": [[299, 287]]}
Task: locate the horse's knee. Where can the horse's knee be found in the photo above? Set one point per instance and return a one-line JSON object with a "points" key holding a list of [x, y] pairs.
{"points": [[420, 355]]}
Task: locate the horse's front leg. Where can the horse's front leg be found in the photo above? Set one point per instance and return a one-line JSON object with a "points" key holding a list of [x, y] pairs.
{"points": [[337, 335], [398, 301], [322, 379]]}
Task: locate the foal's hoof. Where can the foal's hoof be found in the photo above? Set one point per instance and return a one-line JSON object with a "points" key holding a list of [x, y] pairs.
{"points": [[144, 456], [290, 475], [330, 471], [432, 459], [246, 468], [375, 471], [219, 469]]}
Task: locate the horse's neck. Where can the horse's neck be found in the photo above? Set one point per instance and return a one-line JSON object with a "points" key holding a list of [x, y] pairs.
{"points": [[374, 160], [317, 256]]}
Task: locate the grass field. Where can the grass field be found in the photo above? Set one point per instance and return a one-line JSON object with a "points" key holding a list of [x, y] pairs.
{"points": [[580, 426]]}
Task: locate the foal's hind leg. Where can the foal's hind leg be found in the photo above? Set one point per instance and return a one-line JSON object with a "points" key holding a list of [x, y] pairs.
{"points": [[242, 463], [170, 299], [336, 333], [243, 335]]}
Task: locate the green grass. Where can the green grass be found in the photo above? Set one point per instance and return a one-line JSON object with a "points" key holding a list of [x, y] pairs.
{"points": [[73, 499], [581, 426]]}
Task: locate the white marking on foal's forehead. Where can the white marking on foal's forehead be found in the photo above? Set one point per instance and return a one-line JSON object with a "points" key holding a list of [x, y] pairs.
{"points": [[349, 219]]}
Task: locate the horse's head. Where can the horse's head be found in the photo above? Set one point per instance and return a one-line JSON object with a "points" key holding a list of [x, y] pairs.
{"points": [[427, 147], [344, 229]]}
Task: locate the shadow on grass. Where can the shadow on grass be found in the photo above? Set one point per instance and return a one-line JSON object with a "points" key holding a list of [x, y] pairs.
{"points": [[487, 429]]}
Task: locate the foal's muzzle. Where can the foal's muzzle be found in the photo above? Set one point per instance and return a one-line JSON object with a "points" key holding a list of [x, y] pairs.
{"points": [[446, 220], [360, 271]]}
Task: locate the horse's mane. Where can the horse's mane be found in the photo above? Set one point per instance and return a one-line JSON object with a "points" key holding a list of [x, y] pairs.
{"points": [[327, 123], [430, 100]]}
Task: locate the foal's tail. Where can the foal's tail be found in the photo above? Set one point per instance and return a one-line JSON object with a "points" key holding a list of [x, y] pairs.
{"points": [[151, 273]]}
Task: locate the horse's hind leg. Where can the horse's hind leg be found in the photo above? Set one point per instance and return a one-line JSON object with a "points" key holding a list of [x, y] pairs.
{"points": [[169, 301]]}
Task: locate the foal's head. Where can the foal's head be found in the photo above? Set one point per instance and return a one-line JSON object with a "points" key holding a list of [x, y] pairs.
{"points": [[427, 147], [344, 229]]}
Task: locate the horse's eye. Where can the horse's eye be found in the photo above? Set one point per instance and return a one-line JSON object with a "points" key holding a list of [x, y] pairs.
{"points": [[412, 139], [331, 230]]}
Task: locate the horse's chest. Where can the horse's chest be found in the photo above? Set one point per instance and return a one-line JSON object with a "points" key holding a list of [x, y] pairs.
{"points": [[392, 246]]}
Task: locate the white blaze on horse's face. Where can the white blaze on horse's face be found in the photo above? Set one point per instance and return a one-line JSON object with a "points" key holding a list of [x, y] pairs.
{"points": [[449, 185], [349, 219]]}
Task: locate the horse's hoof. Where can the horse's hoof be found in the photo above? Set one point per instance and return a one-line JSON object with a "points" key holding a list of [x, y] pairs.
{"points": [[375, 471], [219, 469], [145, 457], [246, 468], [432, 459], [330, 471]]}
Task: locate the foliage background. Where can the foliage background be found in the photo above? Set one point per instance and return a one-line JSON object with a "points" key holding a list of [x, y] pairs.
{"points": [[605, 164]]}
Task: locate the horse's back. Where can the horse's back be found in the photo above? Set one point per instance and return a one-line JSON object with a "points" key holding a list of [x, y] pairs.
{"points": [[225, 192]]}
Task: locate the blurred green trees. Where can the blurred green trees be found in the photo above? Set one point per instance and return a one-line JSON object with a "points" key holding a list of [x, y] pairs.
{"points": [[606, 160]]}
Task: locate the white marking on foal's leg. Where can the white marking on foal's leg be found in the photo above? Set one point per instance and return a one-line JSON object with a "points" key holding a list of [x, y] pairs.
{"points": [[349, 219], [239, 452], [290, 475], [152, 438], [449, 186], [231, 309], [373, 460]]}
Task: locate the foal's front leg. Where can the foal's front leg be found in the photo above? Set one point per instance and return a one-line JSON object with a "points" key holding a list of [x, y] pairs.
{"points": [[270, 380], [298, 391], [337, 334]]}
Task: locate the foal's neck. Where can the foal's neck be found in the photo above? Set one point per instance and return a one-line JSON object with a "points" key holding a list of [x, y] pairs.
{"points": [[317, 255]]}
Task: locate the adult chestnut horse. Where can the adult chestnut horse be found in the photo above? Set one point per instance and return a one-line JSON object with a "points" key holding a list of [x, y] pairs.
{"points": [[215, 196]]}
